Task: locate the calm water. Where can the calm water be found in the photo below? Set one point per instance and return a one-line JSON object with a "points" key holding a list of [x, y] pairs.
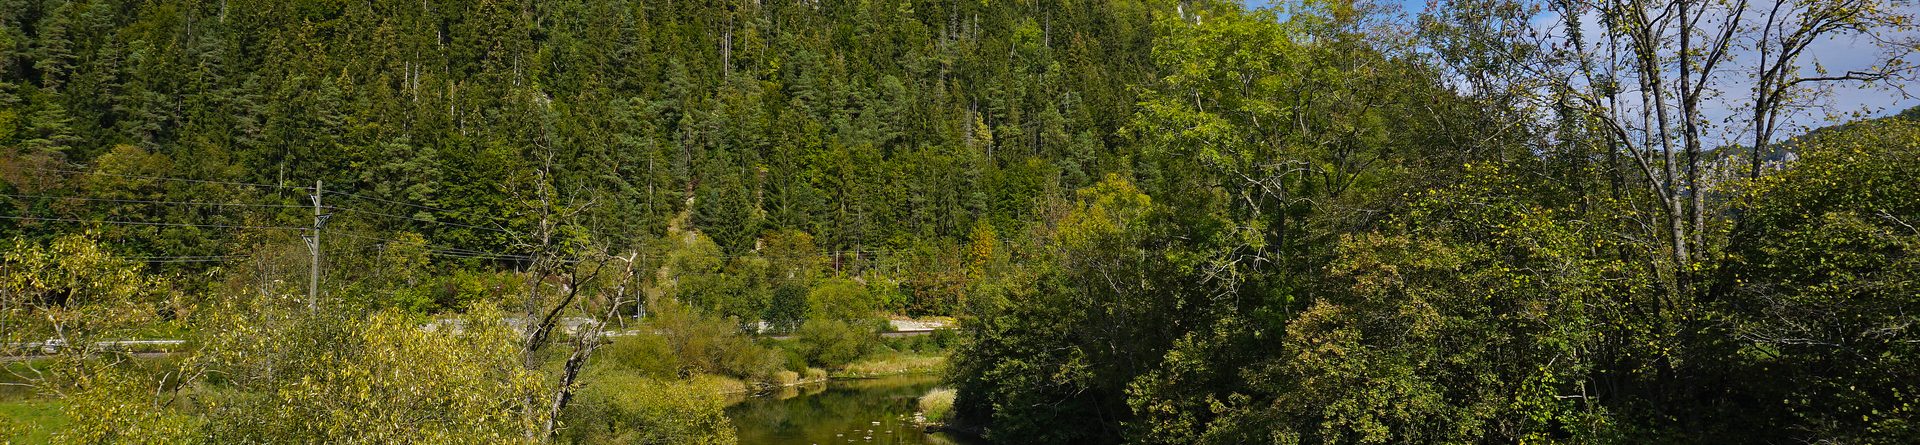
{"points": [[869, 411]]}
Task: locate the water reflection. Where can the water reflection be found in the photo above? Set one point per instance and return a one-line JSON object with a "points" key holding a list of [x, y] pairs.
{"points": [[866, 411]]}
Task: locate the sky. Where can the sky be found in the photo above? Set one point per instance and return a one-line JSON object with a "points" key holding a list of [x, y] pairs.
{"points": [[1837, 55]]}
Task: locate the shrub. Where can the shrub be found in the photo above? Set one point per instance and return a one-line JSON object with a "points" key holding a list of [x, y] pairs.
{"points": [[465, 288], [832, 343], [787, 307], [680, 341], [795, 361], [944, 338], [373, 379], [628, 408], [646, 354], [936, 404], [839, 299], [119, 404]]}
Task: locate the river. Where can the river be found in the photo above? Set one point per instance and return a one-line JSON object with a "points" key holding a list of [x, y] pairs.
{"points": [[863, 411]]}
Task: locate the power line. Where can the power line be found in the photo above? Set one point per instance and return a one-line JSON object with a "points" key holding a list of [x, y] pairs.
{"points": [[457, 212], [201, 181], [429, 221], [234, 204], [857, 253], [183, 257], [141, 223], [137, 201], [192, 260], [709, 274], [483, 257], [418, 206], [858, 256], [438, 248], [346, 194]]}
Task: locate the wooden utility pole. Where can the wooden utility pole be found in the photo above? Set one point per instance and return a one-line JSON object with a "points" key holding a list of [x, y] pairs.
{"points": [[313, 246]]}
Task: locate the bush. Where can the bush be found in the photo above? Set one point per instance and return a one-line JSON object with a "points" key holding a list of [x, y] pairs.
{"points": [[795, 361], [122, 404], [417, 300], [905, 344], [465, 288], [787, 307], [628, 408], [936, 404], [682, 342], [832, 343], [944, 338], [839, 299], [374, 379], [645, 354]]}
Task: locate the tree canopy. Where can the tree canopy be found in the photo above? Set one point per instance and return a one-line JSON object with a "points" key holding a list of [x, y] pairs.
{"points": [[1158, 221]]}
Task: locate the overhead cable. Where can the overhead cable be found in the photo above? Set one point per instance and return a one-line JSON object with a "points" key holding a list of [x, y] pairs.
{"points": [[142, 223], [137, 201], [201, 181]]}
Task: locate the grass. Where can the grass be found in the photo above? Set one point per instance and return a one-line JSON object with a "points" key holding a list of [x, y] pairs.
{"points": [[31, 421], [790, 378], [718, 384], [893, 364], [935, 405]]}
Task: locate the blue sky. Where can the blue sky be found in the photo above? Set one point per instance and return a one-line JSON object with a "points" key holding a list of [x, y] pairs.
{"points": [[1837, 55]]}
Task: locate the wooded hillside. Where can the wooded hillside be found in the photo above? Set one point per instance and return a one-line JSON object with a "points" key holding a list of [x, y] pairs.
{"points": [[1157, 221]]}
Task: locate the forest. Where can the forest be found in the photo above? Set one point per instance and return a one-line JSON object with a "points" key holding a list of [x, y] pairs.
{"points": [[1153, 221]]}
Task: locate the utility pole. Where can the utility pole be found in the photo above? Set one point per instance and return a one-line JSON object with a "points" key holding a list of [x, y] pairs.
{"points": [[313, 246]]}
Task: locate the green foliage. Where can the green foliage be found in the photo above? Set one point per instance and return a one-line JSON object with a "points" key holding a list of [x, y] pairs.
{"points": [[73, 293], [1076, 328], [647, 355], [1385, 363], [936, 404], [624, 408], [786, 307], [727, 287], [1818, 283], [841, 300], [380, 378], [938, 341], [464, 288], [400, 268], [832, 343], [859, 124], [111, 404], [685, 341], [1161, 222]]}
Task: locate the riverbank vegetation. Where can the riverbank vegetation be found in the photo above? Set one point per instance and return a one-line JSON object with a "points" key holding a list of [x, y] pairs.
{"points": [[1155, 221], [935, 406], [894, 364]]}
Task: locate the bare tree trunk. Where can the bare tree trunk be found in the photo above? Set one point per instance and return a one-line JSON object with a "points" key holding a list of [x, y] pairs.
{"points": [[1762, 102], [584, 344], [1690, 126], [569, 378], [1647, 59], [1715, 51]]}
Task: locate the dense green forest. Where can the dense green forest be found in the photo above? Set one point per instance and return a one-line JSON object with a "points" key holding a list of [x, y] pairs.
{"points": [[1323, 222]]}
